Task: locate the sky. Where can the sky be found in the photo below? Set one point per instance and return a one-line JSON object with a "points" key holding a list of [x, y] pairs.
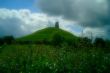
{"points": [[23, 17], [17, 4]]}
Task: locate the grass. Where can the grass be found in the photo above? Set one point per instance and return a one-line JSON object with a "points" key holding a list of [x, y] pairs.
{"points": [[47, 59], [47, 33], [71, 56]]}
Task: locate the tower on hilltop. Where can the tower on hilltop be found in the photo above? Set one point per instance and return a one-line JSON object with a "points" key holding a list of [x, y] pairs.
{"points": [[57, 24]]}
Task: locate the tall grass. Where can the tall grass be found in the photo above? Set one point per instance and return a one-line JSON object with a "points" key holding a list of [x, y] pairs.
{"points": [[47, 59]]}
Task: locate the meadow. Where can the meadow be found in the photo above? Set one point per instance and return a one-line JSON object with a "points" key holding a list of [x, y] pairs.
{"points": [[53, 50], [48, 59]]}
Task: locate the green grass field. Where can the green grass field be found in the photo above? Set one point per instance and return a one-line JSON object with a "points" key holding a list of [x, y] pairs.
{"points": [[47, 59], [46, 34], [64, 53]]}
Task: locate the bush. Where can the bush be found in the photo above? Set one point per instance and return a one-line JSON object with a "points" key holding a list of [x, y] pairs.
{"points": [[1, 41], [108, 44], [57, 39], [84, 42], [8, 39], [99, 42]]}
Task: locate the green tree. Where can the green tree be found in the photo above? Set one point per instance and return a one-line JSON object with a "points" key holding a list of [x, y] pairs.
{"points": [[8, 39], [57, 39], [99, 42], [1, 41]]}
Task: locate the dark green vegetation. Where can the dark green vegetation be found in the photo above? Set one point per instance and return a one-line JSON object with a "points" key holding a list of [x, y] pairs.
{"points": [[53, 50], [47, 34], [47, 59]]}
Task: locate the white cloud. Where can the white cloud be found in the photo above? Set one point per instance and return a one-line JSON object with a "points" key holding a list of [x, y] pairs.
{"points": [[22, 22], [97, 32], [94, 14]]}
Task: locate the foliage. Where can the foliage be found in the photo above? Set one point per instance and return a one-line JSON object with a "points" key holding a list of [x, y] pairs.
{"points": [[47, 59], [57, 39], [84, 42], [99, 42], [35, 53], [1, 41], [46, 34], [7, 40]]}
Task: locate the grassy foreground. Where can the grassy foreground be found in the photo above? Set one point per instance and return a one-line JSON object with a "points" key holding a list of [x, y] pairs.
{"points": [[48, 59]]}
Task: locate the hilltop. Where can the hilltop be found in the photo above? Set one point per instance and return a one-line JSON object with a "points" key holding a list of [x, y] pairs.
{"points": [[47, 33]]}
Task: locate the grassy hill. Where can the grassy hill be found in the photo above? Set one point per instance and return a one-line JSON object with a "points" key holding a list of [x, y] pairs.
{"points": [[38, 58], [46, 34]]}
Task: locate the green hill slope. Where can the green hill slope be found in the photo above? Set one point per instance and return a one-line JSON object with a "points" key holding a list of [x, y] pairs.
{"points": [[46, 34]]}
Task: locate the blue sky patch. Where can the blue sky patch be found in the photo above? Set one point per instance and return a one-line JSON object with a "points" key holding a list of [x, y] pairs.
{"points": [[19, 4]]}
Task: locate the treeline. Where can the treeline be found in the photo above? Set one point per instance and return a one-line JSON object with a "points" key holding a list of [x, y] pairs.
{"points": [[59, 40], [97, 43], [7, 40]]}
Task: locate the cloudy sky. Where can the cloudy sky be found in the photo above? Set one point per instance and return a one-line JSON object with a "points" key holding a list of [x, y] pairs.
{"points": [[22, 17]]}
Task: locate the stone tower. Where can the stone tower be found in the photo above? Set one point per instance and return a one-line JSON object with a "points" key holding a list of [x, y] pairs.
{"points": [[57, 24]]}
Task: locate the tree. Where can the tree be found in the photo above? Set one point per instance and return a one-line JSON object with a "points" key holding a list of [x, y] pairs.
{"points": [[99, 42], [57, 39], [85, 42], [1, 41], [8, 39]]}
